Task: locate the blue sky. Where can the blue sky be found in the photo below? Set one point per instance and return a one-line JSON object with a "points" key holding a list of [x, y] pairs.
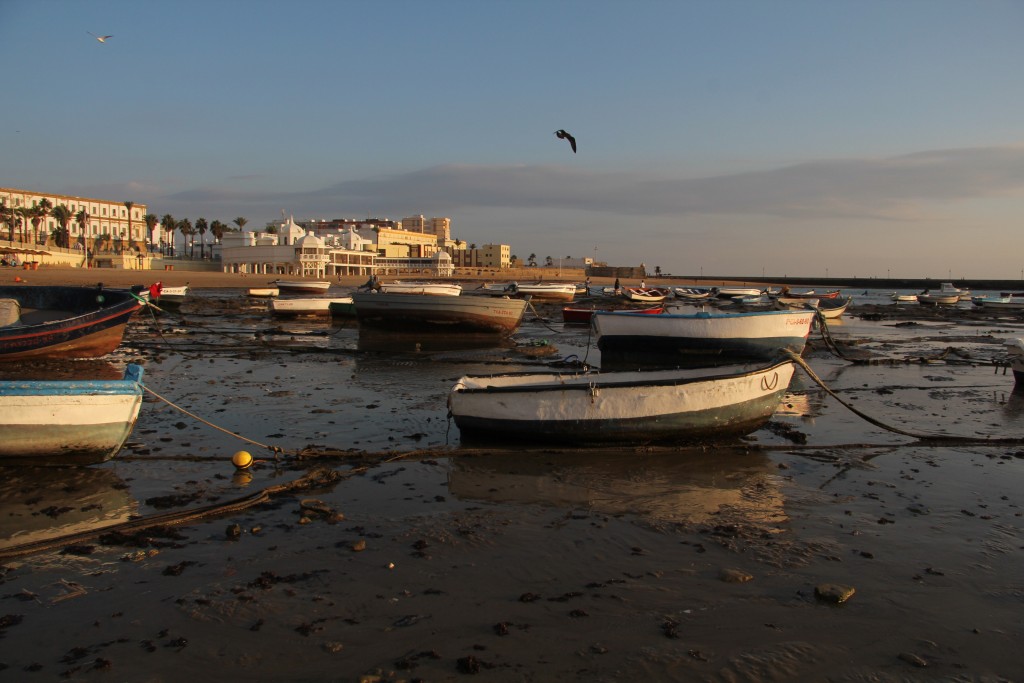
{"points": [[729, 137]]}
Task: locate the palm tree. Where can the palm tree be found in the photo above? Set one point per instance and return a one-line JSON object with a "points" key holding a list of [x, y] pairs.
{"points": [[240, 222], [7, 216], [532, 259], [217, 229], [548, 261], [63, 215], [22, 216], [129, 205], [39, 213], [169, 226], [151, 223], [82, 218], [186, 229], [657, 271], [201, 227]]}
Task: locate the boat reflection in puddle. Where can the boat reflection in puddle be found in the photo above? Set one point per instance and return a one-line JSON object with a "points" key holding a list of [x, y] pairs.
{"points": [[682, 486], [42, 503], [431, 342], [61, 370]]}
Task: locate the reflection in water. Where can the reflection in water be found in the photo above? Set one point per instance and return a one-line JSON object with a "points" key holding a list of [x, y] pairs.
{"points": [[1013, 406], [682, 486], [61, 370], [427, 342], [47, 502]]}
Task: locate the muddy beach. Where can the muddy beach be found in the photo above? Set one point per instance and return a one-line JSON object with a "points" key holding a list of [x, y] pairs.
{"points": [[412, 556]]}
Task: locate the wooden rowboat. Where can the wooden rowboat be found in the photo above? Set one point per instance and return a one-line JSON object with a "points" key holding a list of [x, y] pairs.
{"points": [[67, 422], [584, 315], [439, 313], [650, 295], [308, 286], [834, 308], [702, 337], [310, 306], [40, 322], [706, 404], [399, 287]]}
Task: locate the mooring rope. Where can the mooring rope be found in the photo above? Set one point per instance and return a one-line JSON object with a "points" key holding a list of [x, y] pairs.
{"points": [[942, 438], [277, 450]]}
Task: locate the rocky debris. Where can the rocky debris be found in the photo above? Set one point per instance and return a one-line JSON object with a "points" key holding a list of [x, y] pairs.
{"points": [[833, 593]]}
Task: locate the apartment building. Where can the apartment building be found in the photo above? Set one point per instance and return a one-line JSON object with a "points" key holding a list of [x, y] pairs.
{"points": [[103, 218]]}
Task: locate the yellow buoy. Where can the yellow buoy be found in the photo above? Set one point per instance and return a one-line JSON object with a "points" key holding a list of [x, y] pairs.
{"points": [[242, 460]]}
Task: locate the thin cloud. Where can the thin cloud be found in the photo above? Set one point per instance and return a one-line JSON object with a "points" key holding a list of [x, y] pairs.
{"points": [[897, 188]]}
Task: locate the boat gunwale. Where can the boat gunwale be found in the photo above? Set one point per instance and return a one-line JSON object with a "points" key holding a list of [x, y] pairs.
{"points": [[579, 385]]}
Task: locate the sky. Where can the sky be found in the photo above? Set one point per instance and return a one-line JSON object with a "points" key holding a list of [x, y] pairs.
{"points": [[845, 138]]}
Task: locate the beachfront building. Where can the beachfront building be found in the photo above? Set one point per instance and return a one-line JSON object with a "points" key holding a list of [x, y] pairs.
{"points": [[291, 250], [259, 253], [437, 265], [99, 224]]}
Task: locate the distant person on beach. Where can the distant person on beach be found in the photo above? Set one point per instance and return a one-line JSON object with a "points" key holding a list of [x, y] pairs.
{"points": [[372, 283], [616, 284]]}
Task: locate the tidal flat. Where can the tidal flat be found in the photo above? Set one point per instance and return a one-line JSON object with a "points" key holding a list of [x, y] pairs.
{"points": [[821, 547]]}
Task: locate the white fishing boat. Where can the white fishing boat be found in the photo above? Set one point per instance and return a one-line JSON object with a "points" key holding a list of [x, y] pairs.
{"points": [[692, 293], [439, 312], [646, 295], [308, 306], [1007, 303], [541, 291], [797, 302], [937, 299], [903, 298], [170, 297], [703, 336], [676, 405], [441, 288], [67, 422], [962, 293], [263, 292], [833, 308], [730, 292], [308, 286]]}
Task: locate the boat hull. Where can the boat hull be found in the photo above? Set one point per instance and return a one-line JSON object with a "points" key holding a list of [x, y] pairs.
{"points": [[306, 286], [439, 312], [441, 288], [582, 316], [624, 407], [85, 327], [538, 292], [315, 307], [1004, 303], [78, 422], [700, 337]]}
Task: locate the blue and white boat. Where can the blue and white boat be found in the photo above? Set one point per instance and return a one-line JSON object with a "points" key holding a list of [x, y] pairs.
{"points": [[702, 337], [67, 422]]}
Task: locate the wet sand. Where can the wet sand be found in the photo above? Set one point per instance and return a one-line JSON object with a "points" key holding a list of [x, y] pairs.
{"points": [[430, 560]]}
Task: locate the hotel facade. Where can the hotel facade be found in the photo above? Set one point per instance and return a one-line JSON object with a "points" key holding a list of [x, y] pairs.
{"points": [[104, 219]]}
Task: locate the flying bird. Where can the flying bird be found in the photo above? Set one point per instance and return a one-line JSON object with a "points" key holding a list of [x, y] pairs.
{"points": [[102, 39], [562, 135]]}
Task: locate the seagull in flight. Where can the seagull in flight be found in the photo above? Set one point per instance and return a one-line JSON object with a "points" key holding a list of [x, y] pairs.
{"points": [[102, 39], [562, 135]]}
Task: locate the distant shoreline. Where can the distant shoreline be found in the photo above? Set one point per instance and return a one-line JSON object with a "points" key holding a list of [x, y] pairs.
{"points": [[55, 275]]}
